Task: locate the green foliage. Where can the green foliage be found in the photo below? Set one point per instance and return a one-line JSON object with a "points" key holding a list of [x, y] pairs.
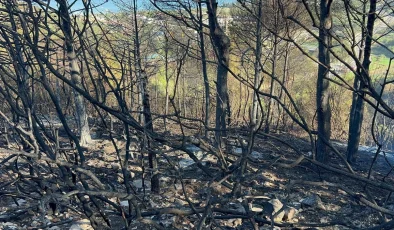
{"points": [[159, 82]]}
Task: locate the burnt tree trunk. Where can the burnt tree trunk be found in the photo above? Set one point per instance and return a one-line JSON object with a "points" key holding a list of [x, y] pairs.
{"points": [[144, 97], [270, 114], [204, 68], [167, 80], [80, 108], [357, 109], [257, 77], [322, 88], [221, 43]]}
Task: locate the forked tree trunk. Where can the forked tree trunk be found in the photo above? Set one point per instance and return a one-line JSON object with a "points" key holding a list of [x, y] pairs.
{"points": [[357, 109], [222, 46]]}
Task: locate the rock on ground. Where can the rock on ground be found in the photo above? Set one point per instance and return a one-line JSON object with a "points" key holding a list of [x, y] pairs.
{"points": [[277, 205], [313, 201]]}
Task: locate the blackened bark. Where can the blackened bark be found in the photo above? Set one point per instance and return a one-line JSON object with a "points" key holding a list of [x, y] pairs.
{"points": [[357, 110], [257, 81], [221, 43], [166, 50], [281, 112], [155, 183], [144, 94], [322, 88], [272, 85], [204, 68], [82, 117]]}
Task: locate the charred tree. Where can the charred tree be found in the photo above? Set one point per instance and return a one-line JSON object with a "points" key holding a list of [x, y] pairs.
{"points": [[80, 108], [221, 43], [322, 87], [144, 95], [357, 109]]}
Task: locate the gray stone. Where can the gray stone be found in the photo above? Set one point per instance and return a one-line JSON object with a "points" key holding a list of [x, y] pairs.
{"points": [[9, 226], [34, 223], [257, 155], [54, 228], [312, 201], [75, 227], [124, 203], [20, 202], [167, 220], [115, 166], [238, 207], [179, 202], [390, 207], [138, 183]]}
